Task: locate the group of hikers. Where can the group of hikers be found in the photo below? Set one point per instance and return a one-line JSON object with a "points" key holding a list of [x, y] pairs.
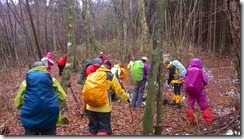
{"points": [[39, 95]]}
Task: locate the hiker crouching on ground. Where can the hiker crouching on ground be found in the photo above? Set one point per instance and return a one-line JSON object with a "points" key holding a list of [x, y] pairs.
{"points": [[38, 100], [98, 101], [177, 83], [194, 83]]}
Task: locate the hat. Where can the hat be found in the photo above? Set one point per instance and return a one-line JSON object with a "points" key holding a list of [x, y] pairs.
{"points": [[144, 58], [97, 60], [37, 63], [44, 60], [101, 53]]}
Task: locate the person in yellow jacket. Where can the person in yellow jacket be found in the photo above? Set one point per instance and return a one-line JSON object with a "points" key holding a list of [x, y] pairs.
{"points": [[100, 116], [38, 99], [122, 75], [176, 82]]}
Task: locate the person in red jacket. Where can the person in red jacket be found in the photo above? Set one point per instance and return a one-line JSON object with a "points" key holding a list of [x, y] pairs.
{"points": [[96, 63], [61, 64]]}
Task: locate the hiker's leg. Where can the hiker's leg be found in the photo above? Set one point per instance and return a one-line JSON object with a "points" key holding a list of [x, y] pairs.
{"points": [[203, 105], [141, 92], [190, 101], [93, 122], [202, 100], [50, 130], [177, 87], [31, 131], [135, 94], [190, 116], [104, 124], [207, 116], [59, 70]]}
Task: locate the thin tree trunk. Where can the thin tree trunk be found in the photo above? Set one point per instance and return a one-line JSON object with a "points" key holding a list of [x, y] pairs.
{"points": [[214, 33], [153, 83], [33, 29], [160, 75], [45, 24]]}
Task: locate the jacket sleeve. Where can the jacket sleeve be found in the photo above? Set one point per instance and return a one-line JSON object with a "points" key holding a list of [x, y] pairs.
{"points": [[59, 90], [205, 78], [146, 69], [116, 87], [18, 101]]}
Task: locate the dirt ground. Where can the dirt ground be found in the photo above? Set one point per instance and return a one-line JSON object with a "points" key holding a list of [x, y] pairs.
{"points": [[223, 95]]}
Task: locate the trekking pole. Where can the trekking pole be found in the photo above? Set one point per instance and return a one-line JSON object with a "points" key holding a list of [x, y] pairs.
{"points": [[78, 105], [130, 106]]}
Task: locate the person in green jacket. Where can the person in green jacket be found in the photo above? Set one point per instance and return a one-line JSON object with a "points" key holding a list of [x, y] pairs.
{"points": [[38, 99]]}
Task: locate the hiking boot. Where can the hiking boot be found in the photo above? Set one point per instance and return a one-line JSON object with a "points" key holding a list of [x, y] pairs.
{"points": [[177, 106], [143, 105]]}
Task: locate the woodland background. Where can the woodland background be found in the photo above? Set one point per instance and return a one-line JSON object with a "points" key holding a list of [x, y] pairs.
{"points": [[124, 30]]}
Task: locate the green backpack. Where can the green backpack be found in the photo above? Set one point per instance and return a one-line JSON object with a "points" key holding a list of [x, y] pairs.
{"points": [[137, 70], [82, 75]]}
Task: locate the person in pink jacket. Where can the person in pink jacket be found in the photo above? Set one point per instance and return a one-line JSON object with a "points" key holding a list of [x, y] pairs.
{"points": [[50, 61], [194, 83]]}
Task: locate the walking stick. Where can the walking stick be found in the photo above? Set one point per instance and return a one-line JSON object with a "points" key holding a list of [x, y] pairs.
{"points": [[130, 107], [78, 104]]}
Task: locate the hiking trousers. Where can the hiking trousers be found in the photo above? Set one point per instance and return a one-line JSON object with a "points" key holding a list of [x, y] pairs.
{"points": [[99, 122], [51, 130], [201, 99], [138, 93]]}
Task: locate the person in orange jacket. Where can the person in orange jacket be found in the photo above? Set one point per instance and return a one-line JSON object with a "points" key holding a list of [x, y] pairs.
{"points": [[61, 64]]}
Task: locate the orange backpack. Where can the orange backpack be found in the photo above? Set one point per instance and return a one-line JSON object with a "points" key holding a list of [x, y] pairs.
{"points": [[95, 89]]}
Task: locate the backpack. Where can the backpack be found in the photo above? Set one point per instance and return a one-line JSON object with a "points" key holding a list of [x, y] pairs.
{"points": [[193, 80], [82, 75], [181, 69], [95, 89], [116, 70], [137, 70]]}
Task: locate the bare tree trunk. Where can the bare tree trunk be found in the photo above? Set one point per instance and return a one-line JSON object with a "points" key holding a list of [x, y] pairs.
{"points": [[45, 24], [210, 29], [144, 29], [232, 10], [68, 70], [214, 30], [53, 25], [161, 10], [149, 111], [33, 28]]}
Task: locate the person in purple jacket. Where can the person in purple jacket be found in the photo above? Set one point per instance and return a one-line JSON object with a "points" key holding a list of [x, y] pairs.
{"points": [[194, 83]]}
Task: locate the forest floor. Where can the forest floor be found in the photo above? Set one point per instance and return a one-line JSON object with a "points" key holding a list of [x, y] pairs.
{"points": [[223, 96]]}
